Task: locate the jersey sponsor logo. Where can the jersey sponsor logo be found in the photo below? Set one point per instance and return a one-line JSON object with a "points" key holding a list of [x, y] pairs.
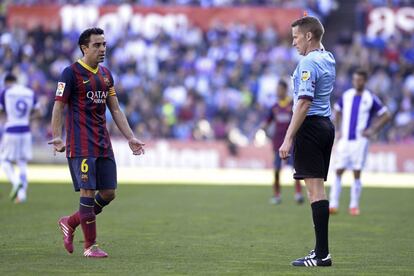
{"points": [[60, 89], [305, 75], [97, 96]]}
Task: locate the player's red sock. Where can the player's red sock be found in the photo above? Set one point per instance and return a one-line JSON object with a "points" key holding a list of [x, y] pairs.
{"points": [[74, 220], [276, 185], [298, 187], [88, 220]]}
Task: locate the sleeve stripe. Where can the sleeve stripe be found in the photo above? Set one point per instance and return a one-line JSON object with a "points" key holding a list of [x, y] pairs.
{"points": [[112, 91], [382, 111]]}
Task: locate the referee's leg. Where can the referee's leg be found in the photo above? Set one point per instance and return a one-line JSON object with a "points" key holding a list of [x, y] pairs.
{"points": [[320, 214], [313, 145]]}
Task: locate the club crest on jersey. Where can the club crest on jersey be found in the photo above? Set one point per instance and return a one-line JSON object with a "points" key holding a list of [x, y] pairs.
{"points": [[305, 75], [84, 177], [97, 96], [107, 82], [60, 89]]}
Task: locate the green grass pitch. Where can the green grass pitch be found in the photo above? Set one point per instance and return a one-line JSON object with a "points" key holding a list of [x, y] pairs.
{"points": [[206, 230]]}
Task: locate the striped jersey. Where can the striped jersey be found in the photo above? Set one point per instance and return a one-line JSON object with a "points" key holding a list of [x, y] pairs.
{"points": [[85, 90], [280, 114], [18, 101], [357, 112], [314, 79]]}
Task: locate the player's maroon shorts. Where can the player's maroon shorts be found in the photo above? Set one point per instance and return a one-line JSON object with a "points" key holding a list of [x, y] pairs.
{"points": [[93, 173], [312, 148]]}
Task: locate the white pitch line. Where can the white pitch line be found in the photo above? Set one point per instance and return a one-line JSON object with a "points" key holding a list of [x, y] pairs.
{"points": [[248, 177]]}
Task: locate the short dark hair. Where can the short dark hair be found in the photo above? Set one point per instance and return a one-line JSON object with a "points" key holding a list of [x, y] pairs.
{"points": [[10, 78], [361, 72], [85, 36], [310, 24], [283, 83]]}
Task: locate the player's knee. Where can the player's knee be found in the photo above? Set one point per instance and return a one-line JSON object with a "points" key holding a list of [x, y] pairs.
{"points": [[316, 195], [108, 195], [339, 172], [112, 196]]}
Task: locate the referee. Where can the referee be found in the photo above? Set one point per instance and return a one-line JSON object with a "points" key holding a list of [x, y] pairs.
{"points": [[311, 132]]}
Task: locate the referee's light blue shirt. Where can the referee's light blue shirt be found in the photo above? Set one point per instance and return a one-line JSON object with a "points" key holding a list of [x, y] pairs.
{"points": [[314, 79]]}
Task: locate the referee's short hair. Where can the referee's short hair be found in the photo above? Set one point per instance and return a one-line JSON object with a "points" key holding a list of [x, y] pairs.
{"points": [[361, 72], [310, 24]]}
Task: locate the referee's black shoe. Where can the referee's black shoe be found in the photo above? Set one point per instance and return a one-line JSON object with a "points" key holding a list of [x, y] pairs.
{"points": [[311, 260]]}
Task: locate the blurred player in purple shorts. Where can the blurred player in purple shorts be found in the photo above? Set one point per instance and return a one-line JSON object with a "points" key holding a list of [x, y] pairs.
{"points": [[281, 114], [87, 88], [355, 111]]}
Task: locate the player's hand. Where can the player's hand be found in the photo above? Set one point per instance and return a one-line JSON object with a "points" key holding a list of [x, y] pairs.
{"points": [[284, 150], [136, 146], [368, 133], [58, 145]]}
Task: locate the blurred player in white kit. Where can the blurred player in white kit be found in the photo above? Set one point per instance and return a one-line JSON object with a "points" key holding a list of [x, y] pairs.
{"points": [[20, 105], [355, 112]]}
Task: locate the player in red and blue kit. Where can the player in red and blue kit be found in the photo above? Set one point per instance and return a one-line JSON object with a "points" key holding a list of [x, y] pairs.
{"points": [[87, 88], [281, 114]]}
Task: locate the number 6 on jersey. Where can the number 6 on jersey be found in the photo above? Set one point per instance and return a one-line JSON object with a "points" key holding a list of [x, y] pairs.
{"points": [[84, 166]]}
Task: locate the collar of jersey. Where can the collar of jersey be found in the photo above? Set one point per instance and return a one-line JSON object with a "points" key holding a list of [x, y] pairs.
{"points": [[284, 102], [87, 67], [319, 50]]}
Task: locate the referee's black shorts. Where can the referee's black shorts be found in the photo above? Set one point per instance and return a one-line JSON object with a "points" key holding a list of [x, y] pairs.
{"points": [[312, 148]]}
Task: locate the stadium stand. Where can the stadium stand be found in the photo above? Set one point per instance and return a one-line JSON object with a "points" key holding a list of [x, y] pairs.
{"points": [[212, 84]]}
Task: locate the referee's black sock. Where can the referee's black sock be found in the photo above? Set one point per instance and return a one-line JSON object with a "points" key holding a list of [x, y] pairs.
{"points": [[320, 214]]}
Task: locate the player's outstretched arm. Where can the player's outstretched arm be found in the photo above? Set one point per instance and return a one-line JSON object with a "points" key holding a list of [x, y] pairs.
{"points": [[120, 120], [57, 124]]}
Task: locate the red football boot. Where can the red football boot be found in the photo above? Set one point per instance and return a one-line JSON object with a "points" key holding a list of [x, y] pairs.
{"points": [[94, 252], [67, 232]]}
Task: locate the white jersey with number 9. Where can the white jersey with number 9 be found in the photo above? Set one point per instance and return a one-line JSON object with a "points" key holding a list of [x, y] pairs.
{"points": [[18, 102]]}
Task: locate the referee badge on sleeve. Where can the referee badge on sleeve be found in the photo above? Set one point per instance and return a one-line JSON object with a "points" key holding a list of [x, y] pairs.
{"points": [[305, 75], [60, 89]]}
